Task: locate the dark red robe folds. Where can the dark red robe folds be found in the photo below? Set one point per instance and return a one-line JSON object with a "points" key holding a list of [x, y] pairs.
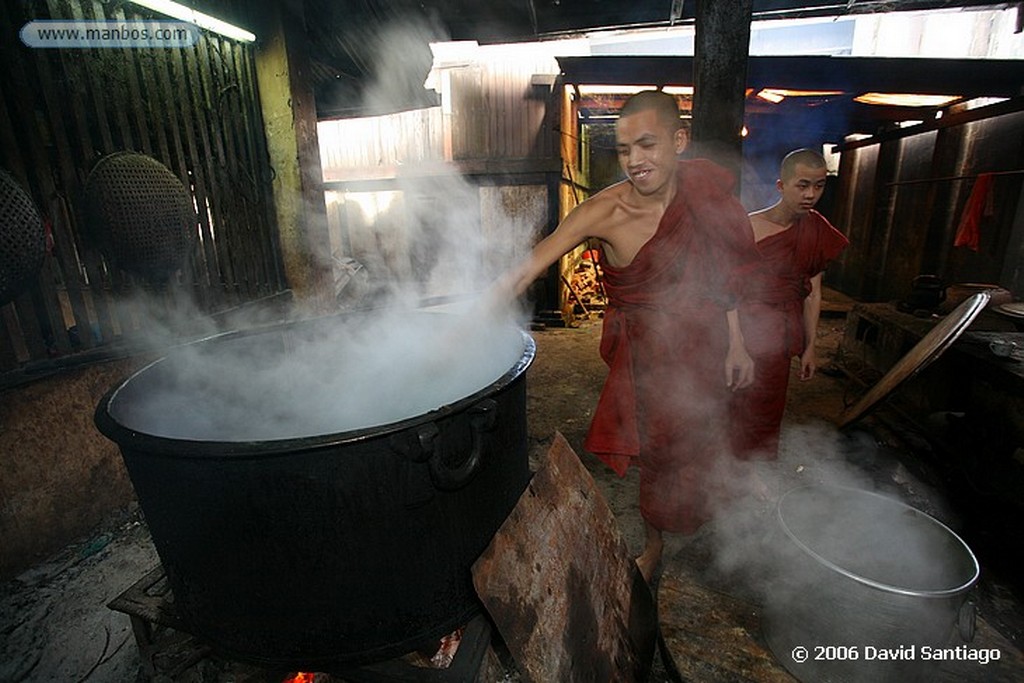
{"points": [[772, 320], [665, 338]]}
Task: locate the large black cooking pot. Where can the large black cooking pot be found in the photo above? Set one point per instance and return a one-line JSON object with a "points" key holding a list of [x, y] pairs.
{"points": [[338, 526]]}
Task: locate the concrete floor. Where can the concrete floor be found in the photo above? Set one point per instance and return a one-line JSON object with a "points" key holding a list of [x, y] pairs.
{"points": [[56, 626]]}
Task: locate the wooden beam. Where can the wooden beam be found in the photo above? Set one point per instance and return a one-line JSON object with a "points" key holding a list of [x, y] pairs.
{"points": [[289, 116], [965, 77], [1009, 106], [719, 78]]}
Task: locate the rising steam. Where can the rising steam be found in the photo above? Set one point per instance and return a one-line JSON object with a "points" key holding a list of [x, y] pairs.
{"points": [[752, 549], [390, 362]]}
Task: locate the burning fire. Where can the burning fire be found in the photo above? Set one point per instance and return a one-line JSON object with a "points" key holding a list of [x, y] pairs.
{"points": [[441, 659], [448, 646], [301, 677]]}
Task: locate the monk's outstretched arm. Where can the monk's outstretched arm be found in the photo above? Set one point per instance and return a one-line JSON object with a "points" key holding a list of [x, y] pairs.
{"points": [[572, 231], [739, 366]]}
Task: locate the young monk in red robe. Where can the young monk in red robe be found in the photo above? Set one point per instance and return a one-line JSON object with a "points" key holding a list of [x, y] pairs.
{"points": [[779, 316], [676, 248]]}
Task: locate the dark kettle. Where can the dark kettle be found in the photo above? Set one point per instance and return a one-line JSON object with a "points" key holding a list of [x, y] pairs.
{"points": [[926, 293]]}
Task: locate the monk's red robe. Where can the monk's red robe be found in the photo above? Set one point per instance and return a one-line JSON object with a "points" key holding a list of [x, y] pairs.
{"points": [[665, 338], [772, 320]]}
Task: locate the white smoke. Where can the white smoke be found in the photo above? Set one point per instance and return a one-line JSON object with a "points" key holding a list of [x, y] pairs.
{"points": [[391, 362], [752, 549], [317, 377]]}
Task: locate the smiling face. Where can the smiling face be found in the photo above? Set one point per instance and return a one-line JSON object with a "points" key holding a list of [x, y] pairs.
{"points": [[647, 145], [802, 189]]}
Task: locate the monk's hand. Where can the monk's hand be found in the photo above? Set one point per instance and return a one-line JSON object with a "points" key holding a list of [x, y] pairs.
{"points": [[808, 363], [739, 367]]}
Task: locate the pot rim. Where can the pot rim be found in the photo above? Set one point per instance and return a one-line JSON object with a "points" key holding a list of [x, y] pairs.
{"points": [[878, 585], [145, 443]]}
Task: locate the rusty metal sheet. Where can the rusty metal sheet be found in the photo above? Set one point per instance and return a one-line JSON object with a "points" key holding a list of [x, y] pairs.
{"points": [[561, 586]]}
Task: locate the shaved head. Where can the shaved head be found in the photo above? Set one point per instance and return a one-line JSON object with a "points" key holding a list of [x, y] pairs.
{"points": [[804, 157], [662, 103]]}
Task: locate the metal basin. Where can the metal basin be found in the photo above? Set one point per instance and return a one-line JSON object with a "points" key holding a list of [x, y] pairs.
{"points": [[868, 584]]}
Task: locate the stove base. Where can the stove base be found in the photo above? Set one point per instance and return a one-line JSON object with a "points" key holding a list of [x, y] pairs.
{"points": [[166, 648]]}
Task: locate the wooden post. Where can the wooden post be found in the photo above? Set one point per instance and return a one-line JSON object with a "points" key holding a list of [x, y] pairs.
{"points": [[721, 45], [289, 116]]}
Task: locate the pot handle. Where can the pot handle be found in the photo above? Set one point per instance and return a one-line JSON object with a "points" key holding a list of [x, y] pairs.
{"points": [[417, 447], [481, 419], [966, 620]]}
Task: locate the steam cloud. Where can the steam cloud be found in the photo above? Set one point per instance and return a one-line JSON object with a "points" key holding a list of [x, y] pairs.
{"points": [[383, 365], [315, 378], [752, 550]]}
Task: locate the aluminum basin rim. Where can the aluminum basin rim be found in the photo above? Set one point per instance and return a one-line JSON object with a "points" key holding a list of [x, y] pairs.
{"points": [[878, 585]]}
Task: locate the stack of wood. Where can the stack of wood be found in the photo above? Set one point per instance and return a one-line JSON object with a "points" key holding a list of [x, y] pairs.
{"points": [[586, 291]]}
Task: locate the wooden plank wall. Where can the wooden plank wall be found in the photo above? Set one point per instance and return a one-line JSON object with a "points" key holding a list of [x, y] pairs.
{"points": [[493, 112], [496, 113], [193, 109], [377, 146], [901, 200]]}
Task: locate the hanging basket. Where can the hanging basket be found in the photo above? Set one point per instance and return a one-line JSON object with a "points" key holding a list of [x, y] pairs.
{"points": [[22, 239], [140, 215]]}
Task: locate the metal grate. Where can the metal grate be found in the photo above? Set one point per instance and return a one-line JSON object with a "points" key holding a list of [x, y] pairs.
{"points": [[140, 215], [22, 239]]}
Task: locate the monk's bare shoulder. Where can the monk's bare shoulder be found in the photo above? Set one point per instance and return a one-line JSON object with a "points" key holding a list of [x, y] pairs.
{"points": [[621, 220], [602, 212]]}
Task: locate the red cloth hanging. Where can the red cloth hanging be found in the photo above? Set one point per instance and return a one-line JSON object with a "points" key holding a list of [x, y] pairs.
{"points": [[968, 232]]}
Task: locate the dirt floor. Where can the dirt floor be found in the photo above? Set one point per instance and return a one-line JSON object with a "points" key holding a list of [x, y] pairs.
{"points": [[55, 626]]}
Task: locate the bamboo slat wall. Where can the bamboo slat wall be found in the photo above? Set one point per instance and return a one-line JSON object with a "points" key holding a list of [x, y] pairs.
{"points": [[497, 113], [194, 109]]}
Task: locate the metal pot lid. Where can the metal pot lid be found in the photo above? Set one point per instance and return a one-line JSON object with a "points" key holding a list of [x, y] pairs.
{"points": [[931, 346]]}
